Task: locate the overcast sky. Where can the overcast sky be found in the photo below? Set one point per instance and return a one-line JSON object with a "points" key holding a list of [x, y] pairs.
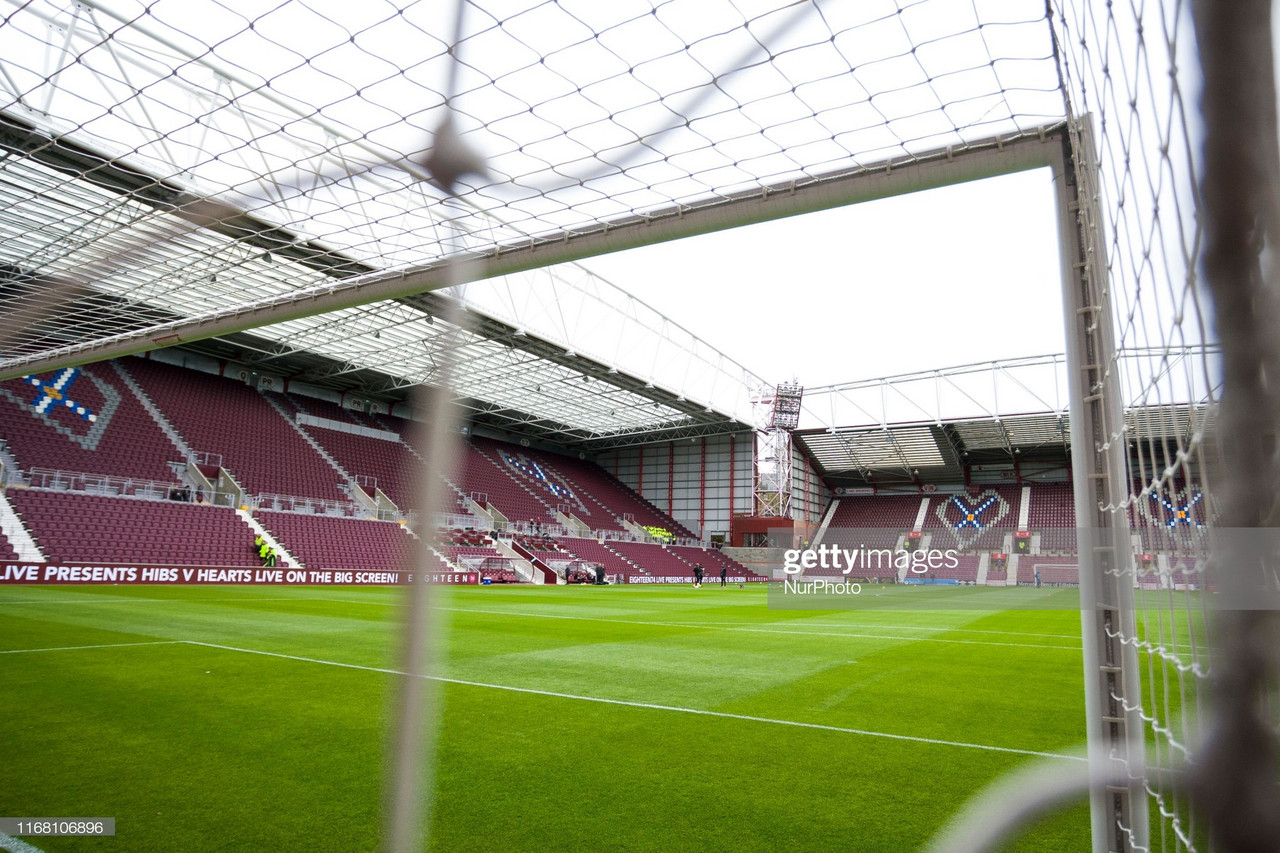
{"points": [[934, 279]]}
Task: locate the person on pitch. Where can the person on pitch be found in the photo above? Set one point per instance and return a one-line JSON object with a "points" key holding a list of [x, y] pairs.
{"points": [[697, 575]]}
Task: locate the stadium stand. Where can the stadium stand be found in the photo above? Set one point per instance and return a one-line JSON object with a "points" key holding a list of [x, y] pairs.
{"points": [[224, 416], [614, 500], [713, 559], [122, 440], [873, 521], [479, 478], [77, 527], [327, 542], [1054, 571], [7, 551], [591, 551], [1185, 572], [326, 409], [261, 441], [976, 520], [473, 550], [655, 560], [1172, 518], [597, 499], [1052, 514], [965, 571], [391, 463]]}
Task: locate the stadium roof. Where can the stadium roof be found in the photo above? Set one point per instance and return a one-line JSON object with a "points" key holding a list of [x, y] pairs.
{"points": [[188, 169], [924, 427]]}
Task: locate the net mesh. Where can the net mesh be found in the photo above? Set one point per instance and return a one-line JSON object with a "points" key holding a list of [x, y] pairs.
{"points": [[1135, 71], [165, 168], [191, 159]]}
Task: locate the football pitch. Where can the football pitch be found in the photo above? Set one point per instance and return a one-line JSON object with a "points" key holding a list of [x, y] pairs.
{"points": [[622, 718]]}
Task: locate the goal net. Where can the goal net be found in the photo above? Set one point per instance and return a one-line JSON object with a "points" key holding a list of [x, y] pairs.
{"points": [[310, 179], [1173, 140]]}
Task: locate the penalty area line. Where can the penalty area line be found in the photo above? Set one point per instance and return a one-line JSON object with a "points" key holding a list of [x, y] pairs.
{"points": [[653, 706]]}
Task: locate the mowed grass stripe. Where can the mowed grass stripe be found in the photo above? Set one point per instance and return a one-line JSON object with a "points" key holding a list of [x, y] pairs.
{"points": [[648, 705], [193, 749], [793, 626], [719, 627], [554, 734], [104, 600]]}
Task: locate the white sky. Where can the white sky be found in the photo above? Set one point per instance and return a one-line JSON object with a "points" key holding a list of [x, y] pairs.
{"points": [[947, 277]]}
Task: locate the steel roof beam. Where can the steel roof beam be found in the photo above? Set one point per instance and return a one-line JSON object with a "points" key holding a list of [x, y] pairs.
{"points": [[974, 161]]}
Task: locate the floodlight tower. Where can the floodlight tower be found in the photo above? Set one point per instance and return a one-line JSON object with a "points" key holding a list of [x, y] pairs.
{"points": [[780, 414]]}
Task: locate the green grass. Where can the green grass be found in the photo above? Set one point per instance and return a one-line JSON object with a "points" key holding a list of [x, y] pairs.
{"points": [[194, 747]]}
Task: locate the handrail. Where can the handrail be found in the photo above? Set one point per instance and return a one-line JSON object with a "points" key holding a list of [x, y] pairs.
{"points": [[107, 484], [306, 505]]}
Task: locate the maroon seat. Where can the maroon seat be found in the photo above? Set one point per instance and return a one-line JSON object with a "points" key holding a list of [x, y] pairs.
{"points": [[77, 527]]}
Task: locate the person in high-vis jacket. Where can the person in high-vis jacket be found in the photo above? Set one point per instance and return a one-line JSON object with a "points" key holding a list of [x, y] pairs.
{"points": [[265, 552]]}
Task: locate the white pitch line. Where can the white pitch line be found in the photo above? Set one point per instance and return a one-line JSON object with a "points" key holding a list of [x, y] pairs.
{"points": [[99, 646], [16, 845], [654, 707], [706, 626]]}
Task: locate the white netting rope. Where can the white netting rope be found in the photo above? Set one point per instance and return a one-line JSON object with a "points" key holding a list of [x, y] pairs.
{"points": [[1132, 68], [320, 121]]}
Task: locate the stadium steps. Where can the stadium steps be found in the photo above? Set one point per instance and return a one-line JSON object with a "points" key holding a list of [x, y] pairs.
{"points": [[624, 558], [285, 557], [664, 516], [9, 466], [502, 470], [600, 506], [575, 525], [152, 409], [540, 488], [549, 575], [464, 500], [19, 539], [432, 552], [922, 516], [621, 489], [578, 489], [826, 522], [315, 445], [521, 564]]}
